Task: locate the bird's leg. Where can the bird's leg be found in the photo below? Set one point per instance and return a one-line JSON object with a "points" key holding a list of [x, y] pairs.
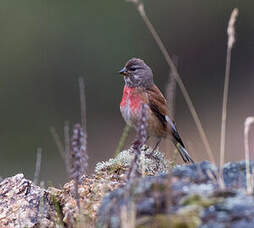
{"points": [[150, 155], [136, 141], [146, 147], [156, 145]]}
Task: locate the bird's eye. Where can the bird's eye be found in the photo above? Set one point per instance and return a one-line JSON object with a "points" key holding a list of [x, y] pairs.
{"points": [[133, 68]]}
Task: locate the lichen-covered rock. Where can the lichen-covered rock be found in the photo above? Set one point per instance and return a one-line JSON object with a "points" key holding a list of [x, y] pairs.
{"points": [[203, 171], [187, 196], [91, 191], [151, 165], [108, 175], [234, 174], [148, 194], [23, 204], [190, 197]]}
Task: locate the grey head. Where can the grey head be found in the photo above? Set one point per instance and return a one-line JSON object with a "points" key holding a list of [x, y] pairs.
{"points": [[137, 73]]}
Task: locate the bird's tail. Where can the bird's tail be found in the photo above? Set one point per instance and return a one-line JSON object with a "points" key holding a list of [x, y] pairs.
{"points": [[183, 152], [178, 142]]}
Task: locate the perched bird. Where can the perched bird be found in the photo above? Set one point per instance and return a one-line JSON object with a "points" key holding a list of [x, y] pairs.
{"points": [[140, 89]]}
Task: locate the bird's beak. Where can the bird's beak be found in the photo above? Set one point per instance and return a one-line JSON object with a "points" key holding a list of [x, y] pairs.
{"points": [[123, 71]]}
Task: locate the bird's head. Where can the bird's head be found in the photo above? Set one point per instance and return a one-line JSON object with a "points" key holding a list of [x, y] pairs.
{"points": [[137, 73]]}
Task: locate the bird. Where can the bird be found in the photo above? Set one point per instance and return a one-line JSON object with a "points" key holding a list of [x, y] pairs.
{"points": [[140, 89]]}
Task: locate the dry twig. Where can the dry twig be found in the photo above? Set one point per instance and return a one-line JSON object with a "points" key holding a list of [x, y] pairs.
{"points": [[122, 140], [58, 142], [79, 158], [37, 166], [170, 96], [141, 10], [82, 102], [67, 147], [247, 123], [139, 142], [231, 40]]}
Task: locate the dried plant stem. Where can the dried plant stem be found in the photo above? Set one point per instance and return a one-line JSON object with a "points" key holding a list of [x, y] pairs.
{"points": [[122, 140], [171, 91], [128, 216], [83, 116], [82, 102], [58, 142], [37, 166], [231, 40], [249, 183], [139, 142], [79, 164], [67, 147], [141, 10], [170, 96]]}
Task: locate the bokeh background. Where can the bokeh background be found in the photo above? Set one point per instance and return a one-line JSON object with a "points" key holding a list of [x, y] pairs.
{"points": [[46, 45]]}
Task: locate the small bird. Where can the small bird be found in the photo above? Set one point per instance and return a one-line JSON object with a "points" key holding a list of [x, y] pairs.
{"points": [[140, 89]]}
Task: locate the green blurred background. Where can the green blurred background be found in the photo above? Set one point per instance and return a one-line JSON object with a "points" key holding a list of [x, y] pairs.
{"points": [[45, 45]]}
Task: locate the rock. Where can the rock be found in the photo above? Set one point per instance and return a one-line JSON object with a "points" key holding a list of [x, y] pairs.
{"points": [[199, 172], [189, 197], [26, 205], [234, 174], [108, 176], [91, 191], [23, 204], [157, 164], [148, 194], [231, 210]]}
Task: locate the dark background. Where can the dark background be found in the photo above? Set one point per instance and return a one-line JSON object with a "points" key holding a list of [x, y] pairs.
{"points": [[45, 45]]}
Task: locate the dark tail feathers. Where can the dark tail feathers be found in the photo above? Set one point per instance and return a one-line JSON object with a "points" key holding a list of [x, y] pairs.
{"points": [[178, 142], [183, 152]]}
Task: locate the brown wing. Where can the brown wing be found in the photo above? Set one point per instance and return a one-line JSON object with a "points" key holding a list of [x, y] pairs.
{"points": [[158, 105]]}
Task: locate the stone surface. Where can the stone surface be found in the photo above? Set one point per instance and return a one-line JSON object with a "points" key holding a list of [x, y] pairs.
{"points": [[189, 197], [108, 176], [26, 205], [23, 204], [157, 164], [234, 174]]}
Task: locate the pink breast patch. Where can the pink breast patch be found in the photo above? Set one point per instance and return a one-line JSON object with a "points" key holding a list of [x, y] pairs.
{"points": [[131, 98]]}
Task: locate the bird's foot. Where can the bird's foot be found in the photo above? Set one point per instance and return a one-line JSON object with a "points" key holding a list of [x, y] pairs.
{"points": [[151, 155]]}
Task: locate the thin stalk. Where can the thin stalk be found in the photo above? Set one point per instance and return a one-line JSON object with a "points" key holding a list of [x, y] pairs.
{"points": [[249, 183], [67, 147], [58, 142], [171, 96], [37, 166], [231, 40], [122, 140], [82, 103], [141, 10]]}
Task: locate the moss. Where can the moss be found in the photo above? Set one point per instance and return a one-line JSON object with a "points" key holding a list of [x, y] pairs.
{"points": [[184, 221], [58, 210], [195, 199], [173, 221], [161, 187], [152, 166], [161, 221], [191, 210]]}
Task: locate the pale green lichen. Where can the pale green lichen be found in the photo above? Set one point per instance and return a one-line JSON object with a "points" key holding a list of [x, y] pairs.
{"points": [[151, 165], [184, 221], [172, 221], [199, 200]]}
